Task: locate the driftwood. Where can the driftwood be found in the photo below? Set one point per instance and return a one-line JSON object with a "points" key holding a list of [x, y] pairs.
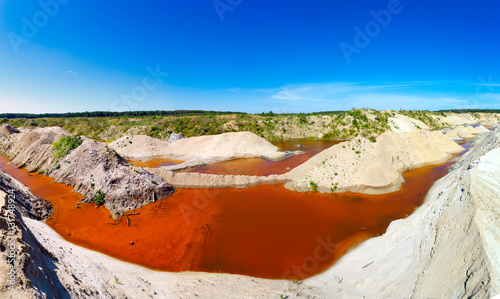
{"points": [[128, 221], [208, 229]]}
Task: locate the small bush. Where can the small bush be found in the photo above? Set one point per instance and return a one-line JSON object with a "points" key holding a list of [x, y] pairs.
{"points": [[314, 186], [99, 197]]}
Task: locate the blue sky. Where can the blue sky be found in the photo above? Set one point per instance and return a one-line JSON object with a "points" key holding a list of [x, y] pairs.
{"points": [[251, 56]]}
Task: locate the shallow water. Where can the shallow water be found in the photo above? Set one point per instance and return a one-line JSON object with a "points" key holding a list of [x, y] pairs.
{"points": [[154, 163], [264, 231]]}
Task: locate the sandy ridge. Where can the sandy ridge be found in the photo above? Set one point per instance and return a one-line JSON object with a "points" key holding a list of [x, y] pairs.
{"points": [[363, 166]]}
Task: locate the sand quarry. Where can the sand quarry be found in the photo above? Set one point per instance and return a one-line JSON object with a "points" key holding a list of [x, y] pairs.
{"points": [[446, 245]]}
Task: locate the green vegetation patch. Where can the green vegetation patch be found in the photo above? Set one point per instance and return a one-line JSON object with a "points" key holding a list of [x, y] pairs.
{"points": [[99, 197], [65, 145], [314, 186]]}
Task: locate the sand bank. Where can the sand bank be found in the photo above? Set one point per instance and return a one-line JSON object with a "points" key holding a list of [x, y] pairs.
{"points": [[360, 165]]}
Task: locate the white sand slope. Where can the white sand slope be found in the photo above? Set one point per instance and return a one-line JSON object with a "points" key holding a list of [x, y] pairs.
{"points": [[444, 142], [448, 248], [402, 124], [481, 129], [223, 146], [472, 130], [460, 132], [362, 166]]}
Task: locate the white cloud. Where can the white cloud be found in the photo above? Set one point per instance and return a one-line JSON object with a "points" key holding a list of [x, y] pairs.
{"points": [[345, 96], [71, 72]]}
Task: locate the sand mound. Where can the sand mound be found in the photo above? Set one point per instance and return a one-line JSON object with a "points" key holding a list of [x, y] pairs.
{"points": [[444, 142], [448, 248], [402, 124], [362, 166], [460, 132], [32, 149], [140, 147], [455, 118], [472, 130], [223, 146], [94, 166], [90, 167], [482, 129], [6, 129]]}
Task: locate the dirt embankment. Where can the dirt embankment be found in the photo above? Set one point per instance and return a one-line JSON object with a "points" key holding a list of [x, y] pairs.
{"points": [[90, 167], [27, 204], [6, 129], [25, 265], [363, 166], [448, 248]]}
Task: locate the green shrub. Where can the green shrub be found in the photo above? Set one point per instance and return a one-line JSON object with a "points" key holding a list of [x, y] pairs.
{"points": [[99, 197], [65, 145], [314, 186]]}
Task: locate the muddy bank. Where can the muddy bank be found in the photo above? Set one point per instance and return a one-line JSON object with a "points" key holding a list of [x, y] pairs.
{"points": [[90, 167], [27, 204], [26, 267]]}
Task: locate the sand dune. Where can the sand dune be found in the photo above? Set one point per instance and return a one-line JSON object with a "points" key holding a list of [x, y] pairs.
{"points": [[219, 147], [362, 166]]}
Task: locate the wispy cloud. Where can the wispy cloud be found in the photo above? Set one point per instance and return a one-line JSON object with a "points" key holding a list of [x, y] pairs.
{"points": [[71, 72], [406, 95]]}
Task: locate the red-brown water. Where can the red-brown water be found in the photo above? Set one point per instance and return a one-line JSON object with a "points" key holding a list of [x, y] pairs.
{"points": [[263, 231], [159, 162]]}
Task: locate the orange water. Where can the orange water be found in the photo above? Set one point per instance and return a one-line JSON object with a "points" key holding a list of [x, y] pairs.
{"points": [[155, 162], [263, 231]]}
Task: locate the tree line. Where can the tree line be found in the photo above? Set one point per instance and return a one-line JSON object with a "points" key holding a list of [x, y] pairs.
{"points": [[114, 114]]}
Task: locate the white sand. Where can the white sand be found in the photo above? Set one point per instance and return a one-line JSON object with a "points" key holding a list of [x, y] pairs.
{"points": [[402, 124], [220, 147], [362, 166]]}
